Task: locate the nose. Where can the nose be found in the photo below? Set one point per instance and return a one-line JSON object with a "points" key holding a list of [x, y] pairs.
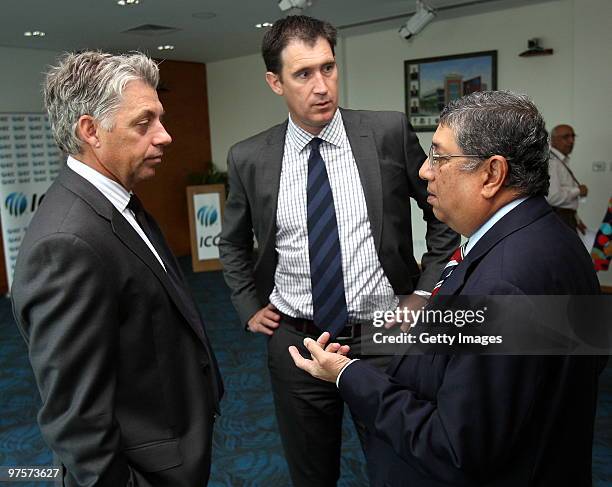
{"points": [[425, 171], [320, 87], [162, 137]]}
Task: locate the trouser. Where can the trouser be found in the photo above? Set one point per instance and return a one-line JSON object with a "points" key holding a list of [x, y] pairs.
{"points": [[309, 411], [568, 216]]}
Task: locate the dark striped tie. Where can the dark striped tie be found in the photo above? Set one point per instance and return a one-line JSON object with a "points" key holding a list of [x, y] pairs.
{"points": [[449, 268], [328, 300]]}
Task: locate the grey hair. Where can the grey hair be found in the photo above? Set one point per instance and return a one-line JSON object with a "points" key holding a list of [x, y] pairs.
{"points": [[91, 83], [502, 123]]}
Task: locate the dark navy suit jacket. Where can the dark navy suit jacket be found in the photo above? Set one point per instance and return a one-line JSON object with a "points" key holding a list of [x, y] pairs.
{"points": [[439, 420]]}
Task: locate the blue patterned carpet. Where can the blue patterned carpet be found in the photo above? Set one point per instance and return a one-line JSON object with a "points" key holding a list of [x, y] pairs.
{"points": [[247, 450]]}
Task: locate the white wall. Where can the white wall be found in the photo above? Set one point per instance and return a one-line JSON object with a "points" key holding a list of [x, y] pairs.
{"points": [[572, 86], [240, 103], [22, 78], [592, 107], [376, 81]]}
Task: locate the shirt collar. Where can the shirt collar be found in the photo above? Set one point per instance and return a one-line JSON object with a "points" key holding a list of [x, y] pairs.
{"points": [[112, 190], [562, 157], [333, 133], [498, 215]]}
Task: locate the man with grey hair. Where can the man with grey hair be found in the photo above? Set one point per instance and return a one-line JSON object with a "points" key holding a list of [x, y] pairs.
{"points": [[468, 419], [129, 383], [565, 190]]}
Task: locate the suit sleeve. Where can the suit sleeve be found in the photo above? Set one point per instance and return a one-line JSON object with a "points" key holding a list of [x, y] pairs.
{"points": [[441, 241], [64, 301], [236, 246], [463, 433]]}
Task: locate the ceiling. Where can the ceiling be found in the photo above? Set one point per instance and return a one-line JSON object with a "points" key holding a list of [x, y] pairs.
{"points": [[230, 32]]}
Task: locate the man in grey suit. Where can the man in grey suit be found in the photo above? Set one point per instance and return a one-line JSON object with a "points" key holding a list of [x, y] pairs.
{"points": [[327, 196], [129, 383]]}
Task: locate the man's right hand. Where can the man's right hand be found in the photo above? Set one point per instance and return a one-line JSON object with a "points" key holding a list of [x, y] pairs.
{"points": [[266, 320], [583, 190]]}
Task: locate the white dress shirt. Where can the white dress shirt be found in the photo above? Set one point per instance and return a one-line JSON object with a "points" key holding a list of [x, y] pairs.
{"points": [[486, 226], [563, 191], [116, 194], [366, 286]]}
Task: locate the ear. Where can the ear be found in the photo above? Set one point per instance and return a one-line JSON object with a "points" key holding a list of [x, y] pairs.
{"points": [[495, 173], [275, 83], [87, 131]]}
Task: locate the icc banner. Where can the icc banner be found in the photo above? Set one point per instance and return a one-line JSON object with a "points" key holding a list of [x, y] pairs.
{"points": [[205, 205], [29, 162]]}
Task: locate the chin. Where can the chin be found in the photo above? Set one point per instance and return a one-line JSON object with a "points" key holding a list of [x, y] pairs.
{"points": [[324, 119], [438, 214]]}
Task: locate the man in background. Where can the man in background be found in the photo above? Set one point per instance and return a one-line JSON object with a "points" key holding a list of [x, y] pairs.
{"points": [[327, 195], [565, 190], [128, 381]]}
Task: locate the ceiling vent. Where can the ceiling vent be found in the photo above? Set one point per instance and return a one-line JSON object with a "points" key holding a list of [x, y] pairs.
{"points": [[151, 30]]}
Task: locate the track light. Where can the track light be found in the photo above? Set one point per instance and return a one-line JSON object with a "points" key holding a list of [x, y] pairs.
{"points": [[285, 5], [415, 24]]}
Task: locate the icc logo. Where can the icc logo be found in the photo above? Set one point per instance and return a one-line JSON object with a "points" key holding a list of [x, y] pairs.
{"points": [[16, 203], [207, 215]]}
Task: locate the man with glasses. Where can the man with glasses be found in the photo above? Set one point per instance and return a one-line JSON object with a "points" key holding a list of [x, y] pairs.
{"points": [[565, 190], [467, 419]]}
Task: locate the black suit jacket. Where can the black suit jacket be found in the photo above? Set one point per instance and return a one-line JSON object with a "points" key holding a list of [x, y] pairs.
{"points": [[128, 381], [440, 420], [388, 157]]}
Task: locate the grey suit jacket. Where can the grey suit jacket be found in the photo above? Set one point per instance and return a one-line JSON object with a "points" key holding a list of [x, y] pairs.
{"points": [[388, 157], [128, 382]]}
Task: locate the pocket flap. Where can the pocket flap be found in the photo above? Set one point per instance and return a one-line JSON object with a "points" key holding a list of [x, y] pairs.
{"points": [[154, 457]]}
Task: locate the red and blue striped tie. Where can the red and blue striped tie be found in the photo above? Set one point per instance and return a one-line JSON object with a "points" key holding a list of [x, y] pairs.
{"points": [[328, 300], [449, 268]]}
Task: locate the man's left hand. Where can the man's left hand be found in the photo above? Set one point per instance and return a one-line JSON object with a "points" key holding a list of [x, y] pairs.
{"points": [[327, 361], [412, 302]]}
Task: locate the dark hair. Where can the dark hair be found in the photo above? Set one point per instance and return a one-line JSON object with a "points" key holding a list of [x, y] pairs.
{"points": [[503, 123], [293, 27]]}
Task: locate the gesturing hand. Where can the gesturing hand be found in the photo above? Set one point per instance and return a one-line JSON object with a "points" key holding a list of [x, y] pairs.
{"points": [[327, 361]]}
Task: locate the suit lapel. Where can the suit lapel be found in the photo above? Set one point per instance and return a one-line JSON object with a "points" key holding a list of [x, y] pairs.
{"points": [[363, 146], [128, 236], [269, 163], [521, 216], [124, 231]]}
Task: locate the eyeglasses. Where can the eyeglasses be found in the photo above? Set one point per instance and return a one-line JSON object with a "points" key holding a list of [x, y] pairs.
{"points": [[567, 136], [436, 159]]}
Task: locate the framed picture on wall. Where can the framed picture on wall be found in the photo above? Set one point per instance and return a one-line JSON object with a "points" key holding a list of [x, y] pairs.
{"points": [[430, 83]]}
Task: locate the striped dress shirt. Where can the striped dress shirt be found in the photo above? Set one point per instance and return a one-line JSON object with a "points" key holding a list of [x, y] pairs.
{"points": [[366, 287]]}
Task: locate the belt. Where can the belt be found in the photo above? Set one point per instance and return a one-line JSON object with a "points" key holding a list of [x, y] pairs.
{"points": [[309, 328]]}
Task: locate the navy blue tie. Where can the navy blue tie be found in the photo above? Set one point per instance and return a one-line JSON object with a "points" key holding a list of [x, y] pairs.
{"points": [[328, 299]]}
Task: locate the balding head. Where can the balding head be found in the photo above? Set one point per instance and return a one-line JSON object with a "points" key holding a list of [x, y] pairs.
{"points": [[562, 138]]}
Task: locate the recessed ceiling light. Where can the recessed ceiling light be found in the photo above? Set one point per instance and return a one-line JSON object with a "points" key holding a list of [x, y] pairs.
{"points": [[125, 3], [167, 47], [34, 33], [263, 24], [204, 15]]}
